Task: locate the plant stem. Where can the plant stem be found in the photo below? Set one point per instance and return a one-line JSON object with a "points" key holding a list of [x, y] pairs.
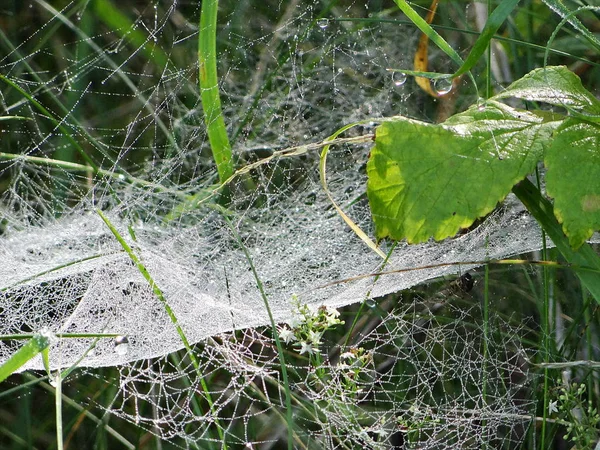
{"points": [[585, 257], [209, 90], [284, 374], [159, 294], [58, 408]]}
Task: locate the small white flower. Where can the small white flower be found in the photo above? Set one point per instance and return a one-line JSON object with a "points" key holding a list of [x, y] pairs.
{"points": [[333, 320], [332, 312], [552, 407], [286, 335], [314, 337], [306, 347], [347, 355], [295, 321]]}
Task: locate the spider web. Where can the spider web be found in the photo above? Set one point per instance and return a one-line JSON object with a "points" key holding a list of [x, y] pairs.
{"points": [[287, 80]]}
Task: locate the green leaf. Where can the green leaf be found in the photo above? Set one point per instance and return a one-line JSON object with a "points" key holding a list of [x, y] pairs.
{"points": [[555, 85], [33, 346], [431, 180], [573, 178]]}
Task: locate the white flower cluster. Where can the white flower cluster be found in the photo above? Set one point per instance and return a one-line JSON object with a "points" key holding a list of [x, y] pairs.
{"points": [[306, 328]]}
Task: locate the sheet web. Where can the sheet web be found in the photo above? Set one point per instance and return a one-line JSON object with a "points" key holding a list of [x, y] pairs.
{"points": [[289, 81]]}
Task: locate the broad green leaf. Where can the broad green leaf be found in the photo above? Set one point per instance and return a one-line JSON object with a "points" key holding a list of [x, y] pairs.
{"points": [[33, 346], [556, 85], [431, 180], [573, 178]]}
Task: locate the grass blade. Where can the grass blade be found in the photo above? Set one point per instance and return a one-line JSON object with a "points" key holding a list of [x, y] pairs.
{"points": [[495, 20], [209, 90], [35, 345], [585, 257]]}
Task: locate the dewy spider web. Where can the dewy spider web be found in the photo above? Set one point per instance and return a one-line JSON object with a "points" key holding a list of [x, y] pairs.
{"points": [[134, 105]]}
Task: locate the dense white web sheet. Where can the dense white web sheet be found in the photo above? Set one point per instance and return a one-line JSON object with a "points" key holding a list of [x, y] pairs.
{"points": [[93, 287]]}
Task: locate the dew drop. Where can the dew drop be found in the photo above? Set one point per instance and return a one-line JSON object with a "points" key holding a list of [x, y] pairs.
{"points": [[399, 78], [322, 23], [121, 345], [371, 303], [442, 85]]}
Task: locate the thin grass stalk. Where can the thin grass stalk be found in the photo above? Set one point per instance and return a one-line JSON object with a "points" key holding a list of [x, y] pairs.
{"points": [[545, 332], [367, 297], [58, 409], [209, 90], [486, 290], [488, 67], [486, 337], [284, 374], [158, 292]]}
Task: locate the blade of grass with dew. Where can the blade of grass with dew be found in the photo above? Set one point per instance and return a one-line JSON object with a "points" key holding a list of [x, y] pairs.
{"points": [[421, 61], [33, 347], [284, 374], [433, 35], [495, 20], [493, 23], [209, 90], [426, 29], [159, 294], [559, 8], [508, 40], [14, 118], [58, 124], [542, 210], [75, 167]]}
